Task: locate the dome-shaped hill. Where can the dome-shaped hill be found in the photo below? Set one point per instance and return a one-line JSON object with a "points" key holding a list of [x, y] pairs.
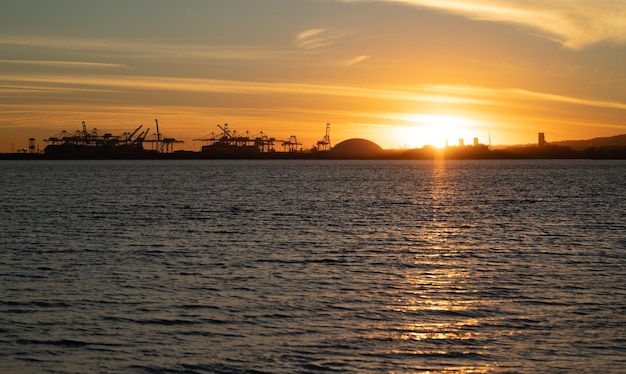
{"points": [[357, 148]]}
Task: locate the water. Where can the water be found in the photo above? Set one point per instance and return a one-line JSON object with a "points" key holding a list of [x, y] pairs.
{"points": [[312, 266]]}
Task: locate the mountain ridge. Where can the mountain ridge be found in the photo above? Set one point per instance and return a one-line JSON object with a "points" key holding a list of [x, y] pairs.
{"points": [[609, 141]]}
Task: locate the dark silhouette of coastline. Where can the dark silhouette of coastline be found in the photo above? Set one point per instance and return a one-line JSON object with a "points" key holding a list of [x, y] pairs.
{"points": [[425, 153], [484, 153], [97, 145]]}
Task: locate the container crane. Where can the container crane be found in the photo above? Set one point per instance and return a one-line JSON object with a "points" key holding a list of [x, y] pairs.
{"points": [[161, 143], [324, 144], [292, 144]]}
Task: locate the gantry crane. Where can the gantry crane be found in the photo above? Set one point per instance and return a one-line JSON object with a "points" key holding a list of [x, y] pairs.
{"points": [[324, 144], [291, 145], [160, 143], [232, 141]]}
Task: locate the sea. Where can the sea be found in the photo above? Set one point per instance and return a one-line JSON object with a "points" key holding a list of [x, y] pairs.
{"points": [[312, 266]]}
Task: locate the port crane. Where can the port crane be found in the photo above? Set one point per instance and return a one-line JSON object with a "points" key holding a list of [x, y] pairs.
{"points": [[160, 142], [93, 138], [292, 144], [129, 139], [232, 141], [324, 144], [97, 138]]}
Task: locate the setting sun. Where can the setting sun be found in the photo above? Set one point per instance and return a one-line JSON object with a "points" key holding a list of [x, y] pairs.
{"points": [[436, 130]]}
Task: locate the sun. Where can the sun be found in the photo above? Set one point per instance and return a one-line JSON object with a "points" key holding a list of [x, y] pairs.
{"points": [[438, 130]]}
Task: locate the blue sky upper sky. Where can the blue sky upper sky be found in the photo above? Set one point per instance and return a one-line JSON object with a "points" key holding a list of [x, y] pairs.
{"points": [[398, 72]]}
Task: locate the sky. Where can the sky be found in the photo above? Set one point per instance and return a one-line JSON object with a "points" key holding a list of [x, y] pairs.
{"points": [[401, 73]]}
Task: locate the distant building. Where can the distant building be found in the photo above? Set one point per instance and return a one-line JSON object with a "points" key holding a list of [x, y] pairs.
{"points": [[542, 140], [475, 142], [461, 142]]}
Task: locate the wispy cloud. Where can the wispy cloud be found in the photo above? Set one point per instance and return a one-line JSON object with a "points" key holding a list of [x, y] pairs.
{"points": [[569, 100], [72, 64], [439, 94], [573, 23], [513, 95], [142, 48], [356, 60], [55, 89], [196, 85], [314, 38]]}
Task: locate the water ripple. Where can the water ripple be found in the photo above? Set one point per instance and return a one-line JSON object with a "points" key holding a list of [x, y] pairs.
{"points": [[312, 266]]}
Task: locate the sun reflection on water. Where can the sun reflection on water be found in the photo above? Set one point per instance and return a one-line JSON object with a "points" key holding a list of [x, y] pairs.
{"points": [[441, 311]]}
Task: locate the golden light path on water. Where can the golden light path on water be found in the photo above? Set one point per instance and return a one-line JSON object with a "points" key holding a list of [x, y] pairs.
{"points": [[436, 292]]}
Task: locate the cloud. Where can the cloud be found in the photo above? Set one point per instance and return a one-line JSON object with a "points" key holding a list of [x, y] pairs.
{"points": [[142, 48], [568, 99], [314, 38], [513, 95], [196, 85], [356, 60], [572, 23], [34, 88], [72, 64], [441, 94]]}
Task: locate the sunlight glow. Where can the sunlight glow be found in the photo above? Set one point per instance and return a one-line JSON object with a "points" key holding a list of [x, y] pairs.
{"points": [[437, 130]]}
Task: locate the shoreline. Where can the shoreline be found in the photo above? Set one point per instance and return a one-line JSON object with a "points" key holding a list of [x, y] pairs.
{"points": [[427, 153]]}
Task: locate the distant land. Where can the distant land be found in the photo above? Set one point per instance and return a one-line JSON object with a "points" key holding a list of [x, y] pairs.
{"points": [[86, 145], [613, 147], [612, 141]]}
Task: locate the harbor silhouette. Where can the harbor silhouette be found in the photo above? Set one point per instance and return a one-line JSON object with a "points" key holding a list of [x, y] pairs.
{"points": [[231, 144]]}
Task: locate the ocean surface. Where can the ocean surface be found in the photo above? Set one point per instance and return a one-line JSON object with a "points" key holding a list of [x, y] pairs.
{"points": [[288, 266]]}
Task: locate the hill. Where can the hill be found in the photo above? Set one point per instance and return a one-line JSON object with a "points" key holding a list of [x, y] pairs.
{"points": [[612, 141]]}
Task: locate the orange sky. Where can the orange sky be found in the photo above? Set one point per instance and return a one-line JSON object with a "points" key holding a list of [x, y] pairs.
{"points": [[401, 73]]}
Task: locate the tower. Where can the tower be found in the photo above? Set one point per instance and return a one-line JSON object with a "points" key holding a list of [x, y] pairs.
{"points": [[31, 145], [542, 140]]}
